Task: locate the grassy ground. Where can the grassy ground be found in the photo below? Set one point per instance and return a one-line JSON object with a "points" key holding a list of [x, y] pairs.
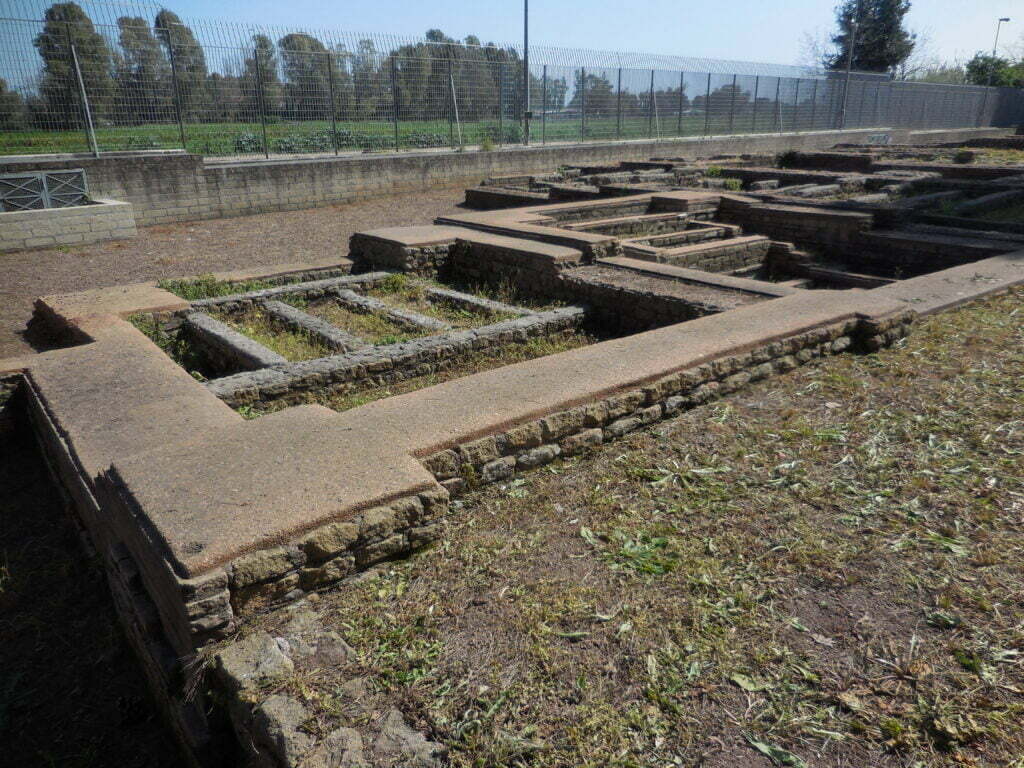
{"points": [[404, 293], [822, 570], [372, 327], [260, 327], [213, 139]]}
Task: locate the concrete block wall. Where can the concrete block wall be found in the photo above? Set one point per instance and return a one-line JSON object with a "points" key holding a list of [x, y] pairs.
{"points": [[77, 225], [169, 186]]}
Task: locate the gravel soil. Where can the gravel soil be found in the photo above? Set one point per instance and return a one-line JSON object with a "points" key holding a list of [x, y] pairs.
{"points": [[176, 250]]}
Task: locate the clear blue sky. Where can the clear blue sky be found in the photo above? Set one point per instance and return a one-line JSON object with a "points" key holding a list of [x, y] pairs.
{"points": [[751, 30]]}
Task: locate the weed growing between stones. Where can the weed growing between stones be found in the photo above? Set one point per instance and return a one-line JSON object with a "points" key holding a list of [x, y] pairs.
{"points": [[404, 292], [374, 328], [174, 346], [209, 287], [258, 326]]}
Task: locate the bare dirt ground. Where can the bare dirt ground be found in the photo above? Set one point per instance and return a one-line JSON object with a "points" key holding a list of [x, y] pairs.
{"points": [[176, 250]]}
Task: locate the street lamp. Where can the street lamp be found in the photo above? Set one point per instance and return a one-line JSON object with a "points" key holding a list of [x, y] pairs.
{"points": [[526, 72], [995, 45]]}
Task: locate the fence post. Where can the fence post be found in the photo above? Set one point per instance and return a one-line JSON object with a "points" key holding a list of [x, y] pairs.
{"points": [[796, 108], [260, 100], [451, 106], [707, 108], [90, 133], [395, 101], [650, 110], [814, 103], [174, 87], [544, 107], [334, 117], [679, 120], [618, 107], [583, 104], [778, 106], [501, 103], [753, 117], [732, 105], [878, 97]]}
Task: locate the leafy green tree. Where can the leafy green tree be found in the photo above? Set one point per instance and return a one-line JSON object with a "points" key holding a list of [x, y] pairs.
{"points": [[308, 76], [986, 69], [882, 42], [142, 75], [13, 111], [595, 92], [265, 76], [189, 63], [66, 25]]}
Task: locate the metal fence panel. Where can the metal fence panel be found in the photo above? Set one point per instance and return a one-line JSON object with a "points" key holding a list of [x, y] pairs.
{"points": [[224, 89]]}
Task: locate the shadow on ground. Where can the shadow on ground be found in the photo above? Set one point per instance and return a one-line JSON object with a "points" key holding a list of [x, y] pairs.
{"points": [[70, 691]]}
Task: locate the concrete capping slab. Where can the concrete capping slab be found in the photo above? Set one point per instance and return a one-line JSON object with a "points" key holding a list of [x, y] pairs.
{"points": [[955, 286]]}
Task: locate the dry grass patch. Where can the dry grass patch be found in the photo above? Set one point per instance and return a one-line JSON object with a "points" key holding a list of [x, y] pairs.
{"points": [[823, 570], [263, 328]]}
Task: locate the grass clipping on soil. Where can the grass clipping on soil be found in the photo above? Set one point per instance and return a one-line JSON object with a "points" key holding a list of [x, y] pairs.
{"points": [[823, 569]]}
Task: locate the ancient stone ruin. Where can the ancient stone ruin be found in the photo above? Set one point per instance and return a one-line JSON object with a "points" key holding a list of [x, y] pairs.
{"points": [[230, 446]]}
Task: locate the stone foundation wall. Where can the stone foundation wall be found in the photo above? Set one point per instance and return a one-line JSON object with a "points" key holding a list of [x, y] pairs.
{"points": [[804, 226], [77, 225], [499, 457], [379, 366]]}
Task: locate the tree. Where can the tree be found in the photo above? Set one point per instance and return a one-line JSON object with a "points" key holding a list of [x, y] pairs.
{"points": [[66, 25], [882, 43], [142, 75], [189, 63], [986, 69], [13, 111], [595, 93], [260, 83], [308, 73]]}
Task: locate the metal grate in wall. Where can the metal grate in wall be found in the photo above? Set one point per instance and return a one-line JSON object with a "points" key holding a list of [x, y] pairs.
{"points": [[43, 189]]}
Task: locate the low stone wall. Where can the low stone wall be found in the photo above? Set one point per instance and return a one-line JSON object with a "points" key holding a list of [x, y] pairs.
{"points": [[224, 348], [167, 186], [802, 225], [499, 457], [76, 225], [718, 255], [379, 366]]}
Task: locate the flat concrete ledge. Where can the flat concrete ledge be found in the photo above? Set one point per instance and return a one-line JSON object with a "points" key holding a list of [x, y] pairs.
{"points": [[952, 287], [258, 483]]}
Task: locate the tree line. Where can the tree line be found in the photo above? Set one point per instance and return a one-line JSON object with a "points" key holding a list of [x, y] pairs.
{"points": [[157, 69]]}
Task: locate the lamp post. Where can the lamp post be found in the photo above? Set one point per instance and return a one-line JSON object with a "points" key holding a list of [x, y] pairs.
{"points": [[849, 69], [995, 45], [526, 72]]}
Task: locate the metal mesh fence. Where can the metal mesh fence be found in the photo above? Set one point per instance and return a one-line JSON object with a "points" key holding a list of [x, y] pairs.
{"points": [[138, 78]]}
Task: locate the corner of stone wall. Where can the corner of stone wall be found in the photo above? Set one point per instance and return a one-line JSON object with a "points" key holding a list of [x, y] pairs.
{"points": [[274, 730]]}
